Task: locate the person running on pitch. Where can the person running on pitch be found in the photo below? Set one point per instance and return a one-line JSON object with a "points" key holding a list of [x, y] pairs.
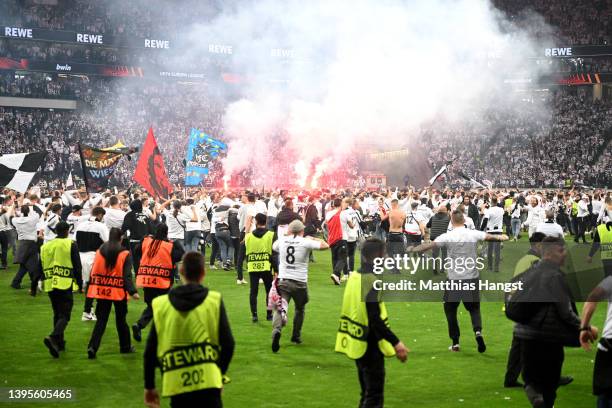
{"points": [[190, 340], [461, 245], [368, 318], [258, 246], [294, 251], [110, 282], [61, 266], [158, 259], [396, 240]]}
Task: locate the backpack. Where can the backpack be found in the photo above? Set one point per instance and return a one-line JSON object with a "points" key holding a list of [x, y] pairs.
{"points": [[523, 305]]}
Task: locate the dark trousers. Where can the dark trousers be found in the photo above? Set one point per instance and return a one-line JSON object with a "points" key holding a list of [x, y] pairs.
{"points": [[147, 314], [61, 302], [371, 372], [214, 250], [135, 257], [494, 251], [351, 247], [542, 362], [240, 260], [4, 244], [203, 239], [209, 398], [339, 255], [607, 267], [450, 310], [440, 255], [236, 246], [514, 366], [254, 283], [582, 224], [32, 268], [103, 308]]}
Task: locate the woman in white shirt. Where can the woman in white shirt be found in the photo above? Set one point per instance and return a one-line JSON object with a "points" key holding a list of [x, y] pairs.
{"points": [[27, 247], [515, 218], [193, 228]]}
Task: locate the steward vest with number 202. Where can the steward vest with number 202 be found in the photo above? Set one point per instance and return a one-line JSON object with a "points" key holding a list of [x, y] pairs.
{"points": [[107, 283], [259, 252], [155, 271], [605, 239], [188, 345], [352, 337], [56, 260]]}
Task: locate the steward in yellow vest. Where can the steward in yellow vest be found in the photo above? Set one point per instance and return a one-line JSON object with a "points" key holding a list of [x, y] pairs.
{"points": [[602, 241], [61, 267], [190, 340], [259, 262], [364, 334]]}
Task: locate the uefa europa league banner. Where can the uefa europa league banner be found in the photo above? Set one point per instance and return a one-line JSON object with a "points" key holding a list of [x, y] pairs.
{"points": [[202, 150]]}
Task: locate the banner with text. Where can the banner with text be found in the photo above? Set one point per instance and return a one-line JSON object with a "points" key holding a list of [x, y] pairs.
{"points": [[202, 150]]}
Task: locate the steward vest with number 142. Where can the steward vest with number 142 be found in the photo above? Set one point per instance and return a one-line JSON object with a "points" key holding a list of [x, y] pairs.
{"points": [[352, 336], [155, 270], [259, 252], [56, 260], [107, 283], [188, 345], [605, 239]]}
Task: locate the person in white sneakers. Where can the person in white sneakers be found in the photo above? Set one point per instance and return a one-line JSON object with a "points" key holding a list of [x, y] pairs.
{"points": [[90, 235]]}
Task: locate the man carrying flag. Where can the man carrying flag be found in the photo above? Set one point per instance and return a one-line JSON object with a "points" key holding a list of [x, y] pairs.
{"points": [[150, 171]]}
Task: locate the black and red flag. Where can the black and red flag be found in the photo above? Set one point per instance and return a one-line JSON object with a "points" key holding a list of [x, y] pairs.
{"points": [[150, 171]]}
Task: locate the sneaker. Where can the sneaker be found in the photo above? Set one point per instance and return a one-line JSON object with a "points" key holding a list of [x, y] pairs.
{"points": [[482, 347], [212, 267], [129, 350], [17, 287], [335, 279], [269, 316], [88, 317], [296, 340], [276, 341], [137, 332], [91, 353], [565, 380], [454, 348], [261, 280], [243, 282], [343, 278], [93, 316], [52, 346], [514, 384], [254, 319]]}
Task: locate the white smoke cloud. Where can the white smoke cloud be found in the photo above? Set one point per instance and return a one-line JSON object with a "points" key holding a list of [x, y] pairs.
{"points": [[357, 72]]}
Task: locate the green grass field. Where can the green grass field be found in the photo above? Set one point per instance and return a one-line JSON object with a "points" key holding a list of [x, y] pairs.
{"points": [[308, 375]]}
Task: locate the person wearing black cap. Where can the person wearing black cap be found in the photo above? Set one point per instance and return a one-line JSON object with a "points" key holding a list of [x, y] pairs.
{"points": [[136, 225]]}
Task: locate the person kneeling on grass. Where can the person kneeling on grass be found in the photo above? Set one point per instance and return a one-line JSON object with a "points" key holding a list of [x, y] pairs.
{"points": [[368, 318], [191, 341]]}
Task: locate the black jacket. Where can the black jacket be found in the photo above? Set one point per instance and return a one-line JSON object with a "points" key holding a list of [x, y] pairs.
{"points": [[285, 216], [138, 224], [311, 217], [556, 320], [185, 298]]}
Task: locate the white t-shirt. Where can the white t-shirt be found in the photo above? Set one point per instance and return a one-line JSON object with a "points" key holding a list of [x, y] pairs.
{"points": [[468, 222], [50, 224], [293, 256], [114, 217], [551, 229], [260, 208], [345, 217], [176, 225], [606, 285], [353, 233], [461, 249], [496, 219], [74, 221], [412, 223], [191, 225]]}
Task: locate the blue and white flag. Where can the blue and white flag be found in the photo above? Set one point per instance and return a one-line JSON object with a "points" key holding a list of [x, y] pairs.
{"points": [[202, 150]]}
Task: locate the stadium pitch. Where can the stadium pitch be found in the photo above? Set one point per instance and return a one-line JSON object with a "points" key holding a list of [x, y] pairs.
{"points": [[306, 375]]}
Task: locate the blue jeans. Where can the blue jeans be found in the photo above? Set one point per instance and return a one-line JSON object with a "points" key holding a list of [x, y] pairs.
{"points": [[192, 239], [224, 241], [516, 227]]}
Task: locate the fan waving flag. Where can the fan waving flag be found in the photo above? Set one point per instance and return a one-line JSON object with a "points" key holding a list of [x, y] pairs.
{"points": [[18, 170], [98, 167], [438, 174], [472, 180], [150, 171]]}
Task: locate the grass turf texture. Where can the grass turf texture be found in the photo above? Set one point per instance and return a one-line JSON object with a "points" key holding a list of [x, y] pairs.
{"points": [[306, 375]]}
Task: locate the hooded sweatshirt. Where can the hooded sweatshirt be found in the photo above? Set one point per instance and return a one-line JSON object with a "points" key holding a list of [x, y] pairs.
{"points": [[185, 298]]}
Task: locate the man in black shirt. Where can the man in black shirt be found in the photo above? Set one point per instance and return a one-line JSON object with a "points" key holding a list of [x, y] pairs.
{"points": [[139, 225]]}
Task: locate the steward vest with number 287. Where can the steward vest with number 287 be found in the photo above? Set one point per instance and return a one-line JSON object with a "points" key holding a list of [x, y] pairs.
{"points": [[107, 283], [155, 270], [56, 260], [352, 336], [259, 252], [188, 345]]}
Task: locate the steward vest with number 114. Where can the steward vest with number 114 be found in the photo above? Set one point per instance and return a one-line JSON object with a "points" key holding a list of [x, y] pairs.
{"points": [[352, 336], [155, 271], [56, 260], [605, 239], [188, 345], [107, 283], [259, 252]]}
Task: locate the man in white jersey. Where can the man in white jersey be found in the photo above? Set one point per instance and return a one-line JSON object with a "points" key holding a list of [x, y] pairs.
{"points": [[293, 254], [462, 270], [492, 223], [602, 380], [114, 214]]}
